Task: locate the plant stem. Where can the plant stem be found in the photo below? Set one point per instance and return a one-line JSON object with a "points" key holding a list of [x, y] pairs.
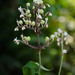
{"points": [[39, 62], [38, 32], [61, 56]]}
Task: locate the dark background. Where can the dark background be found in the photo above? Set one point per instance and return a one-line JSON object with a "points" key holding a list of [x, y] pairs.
{"points": [[13, 57]]}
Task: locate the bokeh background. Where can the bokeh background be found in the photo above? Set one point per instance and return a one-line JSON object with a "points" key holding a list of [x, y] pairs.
{"points": [[13, 57]]}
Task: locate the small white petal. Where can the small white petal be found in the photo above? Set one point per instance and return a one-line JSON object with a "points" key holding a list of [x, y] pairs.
{"points": [[66, 43], [23, 28], [64, 51], [65, 33], [46, 20], [39, 16], [50, 14], [60, 30], [20, 9], [16, 29], [47, 26], [58, 43], [21, 15], [48, 5], [58, 39]]}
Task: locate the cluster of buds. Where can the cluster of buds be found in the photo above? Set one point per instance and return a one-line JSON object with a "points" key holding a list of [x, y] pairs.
{"points": [[27, 22], [61, 38], [25, 39]]}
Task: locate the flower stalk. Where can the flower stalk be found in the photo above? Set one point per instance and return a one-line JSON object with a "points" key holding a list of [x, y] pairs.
{"points": [[61, 56]]}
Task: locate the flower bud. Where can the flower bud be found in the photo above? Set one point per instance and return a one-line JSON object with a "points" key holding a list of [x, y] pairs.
{"points": [[26, 21], [21, 22], [39, 16], [28, 4], [41, 11], [48, 5], [41, 2], [28, 11], [52, 36], [33, 23], [23, 28], [50, 14], [16, 29], [46, 38], [29, 15], [29, 22], [27, 38], [33, 7], [42, 21]]}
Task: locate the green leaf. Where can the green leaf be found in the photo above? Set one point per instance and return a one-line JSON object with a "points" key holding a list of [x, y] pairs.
{"points": [[31, 68], [43, 68]]}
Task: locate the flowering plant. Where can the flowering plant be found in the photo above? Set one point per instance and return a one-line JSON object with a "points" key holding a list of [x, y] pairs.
{"points": [[36, 25]]}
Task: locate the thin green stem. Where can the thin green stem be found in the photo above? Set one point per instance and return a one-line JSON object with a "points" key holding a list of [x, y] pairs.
{"points": [[61, 56], [39, 63], [61, 65]]}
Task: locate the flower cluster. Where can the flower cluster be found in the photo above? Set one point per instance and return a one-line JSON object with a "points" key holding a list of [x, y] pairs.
{"points": [[61, 38], [27, 22]]}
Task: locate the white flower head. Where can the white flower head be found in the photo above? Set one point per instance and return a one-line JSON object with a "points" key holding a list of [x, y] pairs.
{"points": [[16, 41], [64, 51]]}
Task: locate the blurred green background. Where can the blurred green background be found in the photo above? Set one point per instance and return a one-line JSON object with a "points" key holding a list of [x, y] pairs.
{"points": [[13, 57]]}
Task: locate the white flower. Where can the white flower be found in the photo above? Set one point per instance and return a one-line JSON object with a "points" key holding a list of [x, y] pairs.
{"points": [[16, 41], [38, 1], [60, 30], [44, 7], [48, 5], [64, 51], [65, 33], [40, 11], [16, 29], [46, 25], [46, 20], [21, 15], [66, 43], [58, 39], [58, 43], [23, 28], [56, 34], [50, 14], [20, 9], [65, 38], [39, 16]]}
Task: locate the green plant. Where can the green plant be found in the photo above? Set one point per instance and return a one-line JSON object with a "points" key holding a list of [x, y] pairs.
{"points": [[39, 22]]}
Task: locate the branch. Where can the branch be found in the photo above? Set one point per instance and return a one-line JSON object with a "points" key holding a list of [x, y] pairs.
{"points": [[46, 43], [29, 45]]}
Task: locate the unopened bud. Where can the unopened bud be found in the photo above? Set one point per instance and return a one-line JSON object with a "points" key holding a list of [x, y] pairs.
{"points": [[28, 11], [28, 4], [21, 22], [47, 39], [33, 23]]}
